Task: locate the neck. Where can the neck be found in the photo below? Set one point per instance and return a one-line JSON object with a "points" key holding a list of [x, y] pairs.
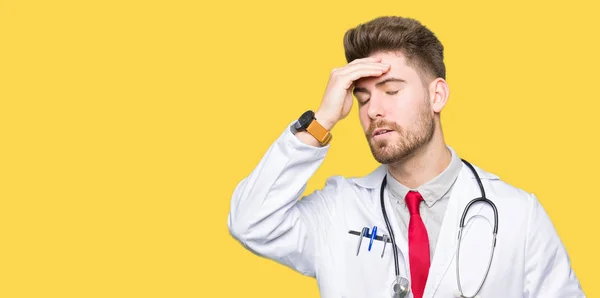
{"points": [[422, 165]]}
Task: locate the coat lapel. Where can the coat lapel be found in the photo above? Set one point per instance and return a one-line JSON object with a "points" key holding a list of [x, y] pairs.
{"points": [[465, 189], [373, 181], [401, 241]]}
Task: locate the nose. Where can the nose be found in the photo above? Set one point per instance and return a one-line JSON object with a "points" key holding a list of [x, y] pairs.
{"points": [[376, 108]]}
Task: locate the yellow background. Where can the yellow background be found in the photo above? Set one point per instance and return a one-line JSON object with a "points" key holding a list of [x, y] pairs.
{"points": [[126, 125]]}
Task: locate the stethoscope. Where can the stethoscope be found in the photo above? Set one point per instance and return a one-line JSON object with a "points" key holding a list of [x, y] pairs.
{"points": [[400, 286]]}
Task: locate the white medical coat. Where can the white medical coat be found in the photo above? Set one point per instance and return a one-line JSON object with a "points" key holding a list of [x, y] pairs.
{"points": [[312, 236]]}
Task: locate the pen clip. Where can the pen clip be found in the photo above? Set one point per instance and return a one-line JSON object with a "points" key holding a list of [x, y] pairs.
{"points": [[367, 235], [385, 241], [365, 231], [373, 235]]}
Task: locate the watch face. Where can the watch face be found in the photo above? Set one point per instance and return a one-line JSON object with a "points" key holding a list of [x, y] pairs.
{"points": [[306, 119]]}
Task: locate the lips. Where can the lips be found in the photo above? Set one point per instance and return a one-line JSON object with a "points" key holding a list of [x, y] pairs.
{"points": [[381, 131]]}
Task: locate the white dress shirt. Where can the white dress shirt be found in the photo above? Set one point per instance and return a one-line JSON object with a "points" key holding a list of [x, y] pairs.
{"points": [[435, 193]]}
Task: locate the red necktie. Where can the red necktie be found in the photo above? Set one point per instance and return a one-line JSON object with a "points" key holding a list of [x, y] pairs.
{"points": [[418, 245]]}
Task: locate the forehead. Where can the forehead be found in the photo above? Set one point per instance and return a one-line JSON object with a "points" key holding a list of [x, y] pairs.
{"points": [[399, 69], [390, 57]]}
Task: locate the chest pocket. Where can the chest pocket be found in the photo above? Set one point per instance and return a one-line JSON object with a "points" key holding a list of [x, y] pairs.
{"points": [[369, 273]]}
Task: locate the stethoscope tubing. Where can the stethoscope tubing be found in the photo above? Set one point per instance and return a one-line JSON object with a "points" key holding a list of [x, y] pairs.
{"points": [[483, 198]]}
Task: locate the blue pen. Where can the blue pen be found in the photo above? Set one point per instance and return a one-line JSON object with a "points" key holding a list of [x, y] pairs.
{"points": [[373, 235]]}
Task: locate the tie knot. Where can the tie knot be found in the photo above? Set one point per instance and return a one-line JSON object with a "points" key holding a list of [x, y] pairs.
{"points": [[413, 199]]}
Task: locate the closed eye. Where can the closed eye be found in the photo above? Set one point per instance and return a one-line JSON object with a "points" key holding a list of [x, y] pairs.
{"points": [[392, 92]]}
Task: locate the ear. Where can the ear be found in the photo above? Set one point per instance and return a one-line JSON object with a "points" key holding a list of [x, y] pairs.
{"points": [[438, 94]]}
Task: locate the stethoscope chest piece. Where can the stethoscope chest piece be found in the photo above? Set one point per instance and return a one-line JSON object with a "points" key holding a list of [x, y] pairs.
{"points": [[400, 287]]}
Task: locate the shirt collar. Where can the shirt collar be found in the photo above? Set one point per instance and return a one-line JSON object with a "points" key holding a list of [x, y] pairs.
{"points": [[373, 179], [433, 190]]}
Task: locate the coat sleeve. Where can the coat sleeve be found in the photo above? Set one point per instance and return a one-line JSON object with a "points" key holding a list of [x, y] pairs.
{"points": [[269, 217], [548, 271]]}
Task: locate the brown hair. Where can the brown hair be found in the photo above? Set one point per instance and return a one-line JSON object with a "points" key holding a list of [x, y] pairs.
{"points": [[421, 47]]}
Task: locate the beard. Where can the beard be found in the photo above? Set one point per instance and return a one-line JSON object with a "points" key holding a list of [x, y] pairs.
{"points": [[408, 141]]}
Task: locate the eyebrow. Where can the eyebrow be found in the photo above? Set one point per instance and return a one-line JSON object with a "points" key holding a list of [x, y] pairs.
{"points": [[378, 84]]}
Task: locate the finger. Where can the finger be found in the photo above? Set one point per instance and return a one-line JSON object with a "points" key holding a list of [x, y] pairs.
{"points": [[351, 68], [367, 59], [352, 75], [363, 73]]}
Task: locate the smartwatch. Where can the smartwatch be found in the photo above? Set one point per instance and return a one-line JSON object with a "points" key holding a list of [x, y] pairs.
{"points": [[307, 122]]}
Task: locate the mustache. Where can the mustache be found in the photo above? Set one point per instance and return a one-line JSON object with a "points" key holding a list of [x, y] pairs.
{"points": [[381, 123]]}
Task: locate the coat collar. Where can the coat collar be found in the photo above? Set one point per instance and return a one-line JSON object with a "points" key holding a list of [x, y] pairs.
{"points": [[374, 179]]}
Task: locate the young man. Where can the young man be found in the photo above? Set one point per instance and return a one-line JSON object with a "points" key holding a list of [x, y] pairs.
{"points": [[396, 71]]}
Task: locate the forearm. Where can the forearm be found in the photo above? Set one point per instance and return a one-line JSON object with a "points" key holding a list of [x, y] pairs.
{"points": [[263, 214]]}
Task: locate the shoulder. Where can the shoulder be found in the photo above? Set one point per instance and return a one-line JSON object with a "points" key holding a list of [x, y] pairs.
{"points": [[340, 183], [522, 206], [342, 192], [499, 189]]}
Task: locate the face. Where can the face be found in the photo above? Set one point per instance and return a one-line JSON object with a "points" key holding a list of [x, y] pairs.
{"points": [[395, 110]]}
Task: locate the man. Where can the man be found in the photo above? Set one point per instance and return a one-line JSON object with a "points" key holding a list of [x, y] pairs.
{"points": [[397, 74]]}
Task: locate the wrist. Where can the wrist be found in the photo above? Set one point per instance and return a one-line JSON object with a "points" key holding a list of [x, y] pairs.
{"points": [[325, 121], [308, 124]]}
